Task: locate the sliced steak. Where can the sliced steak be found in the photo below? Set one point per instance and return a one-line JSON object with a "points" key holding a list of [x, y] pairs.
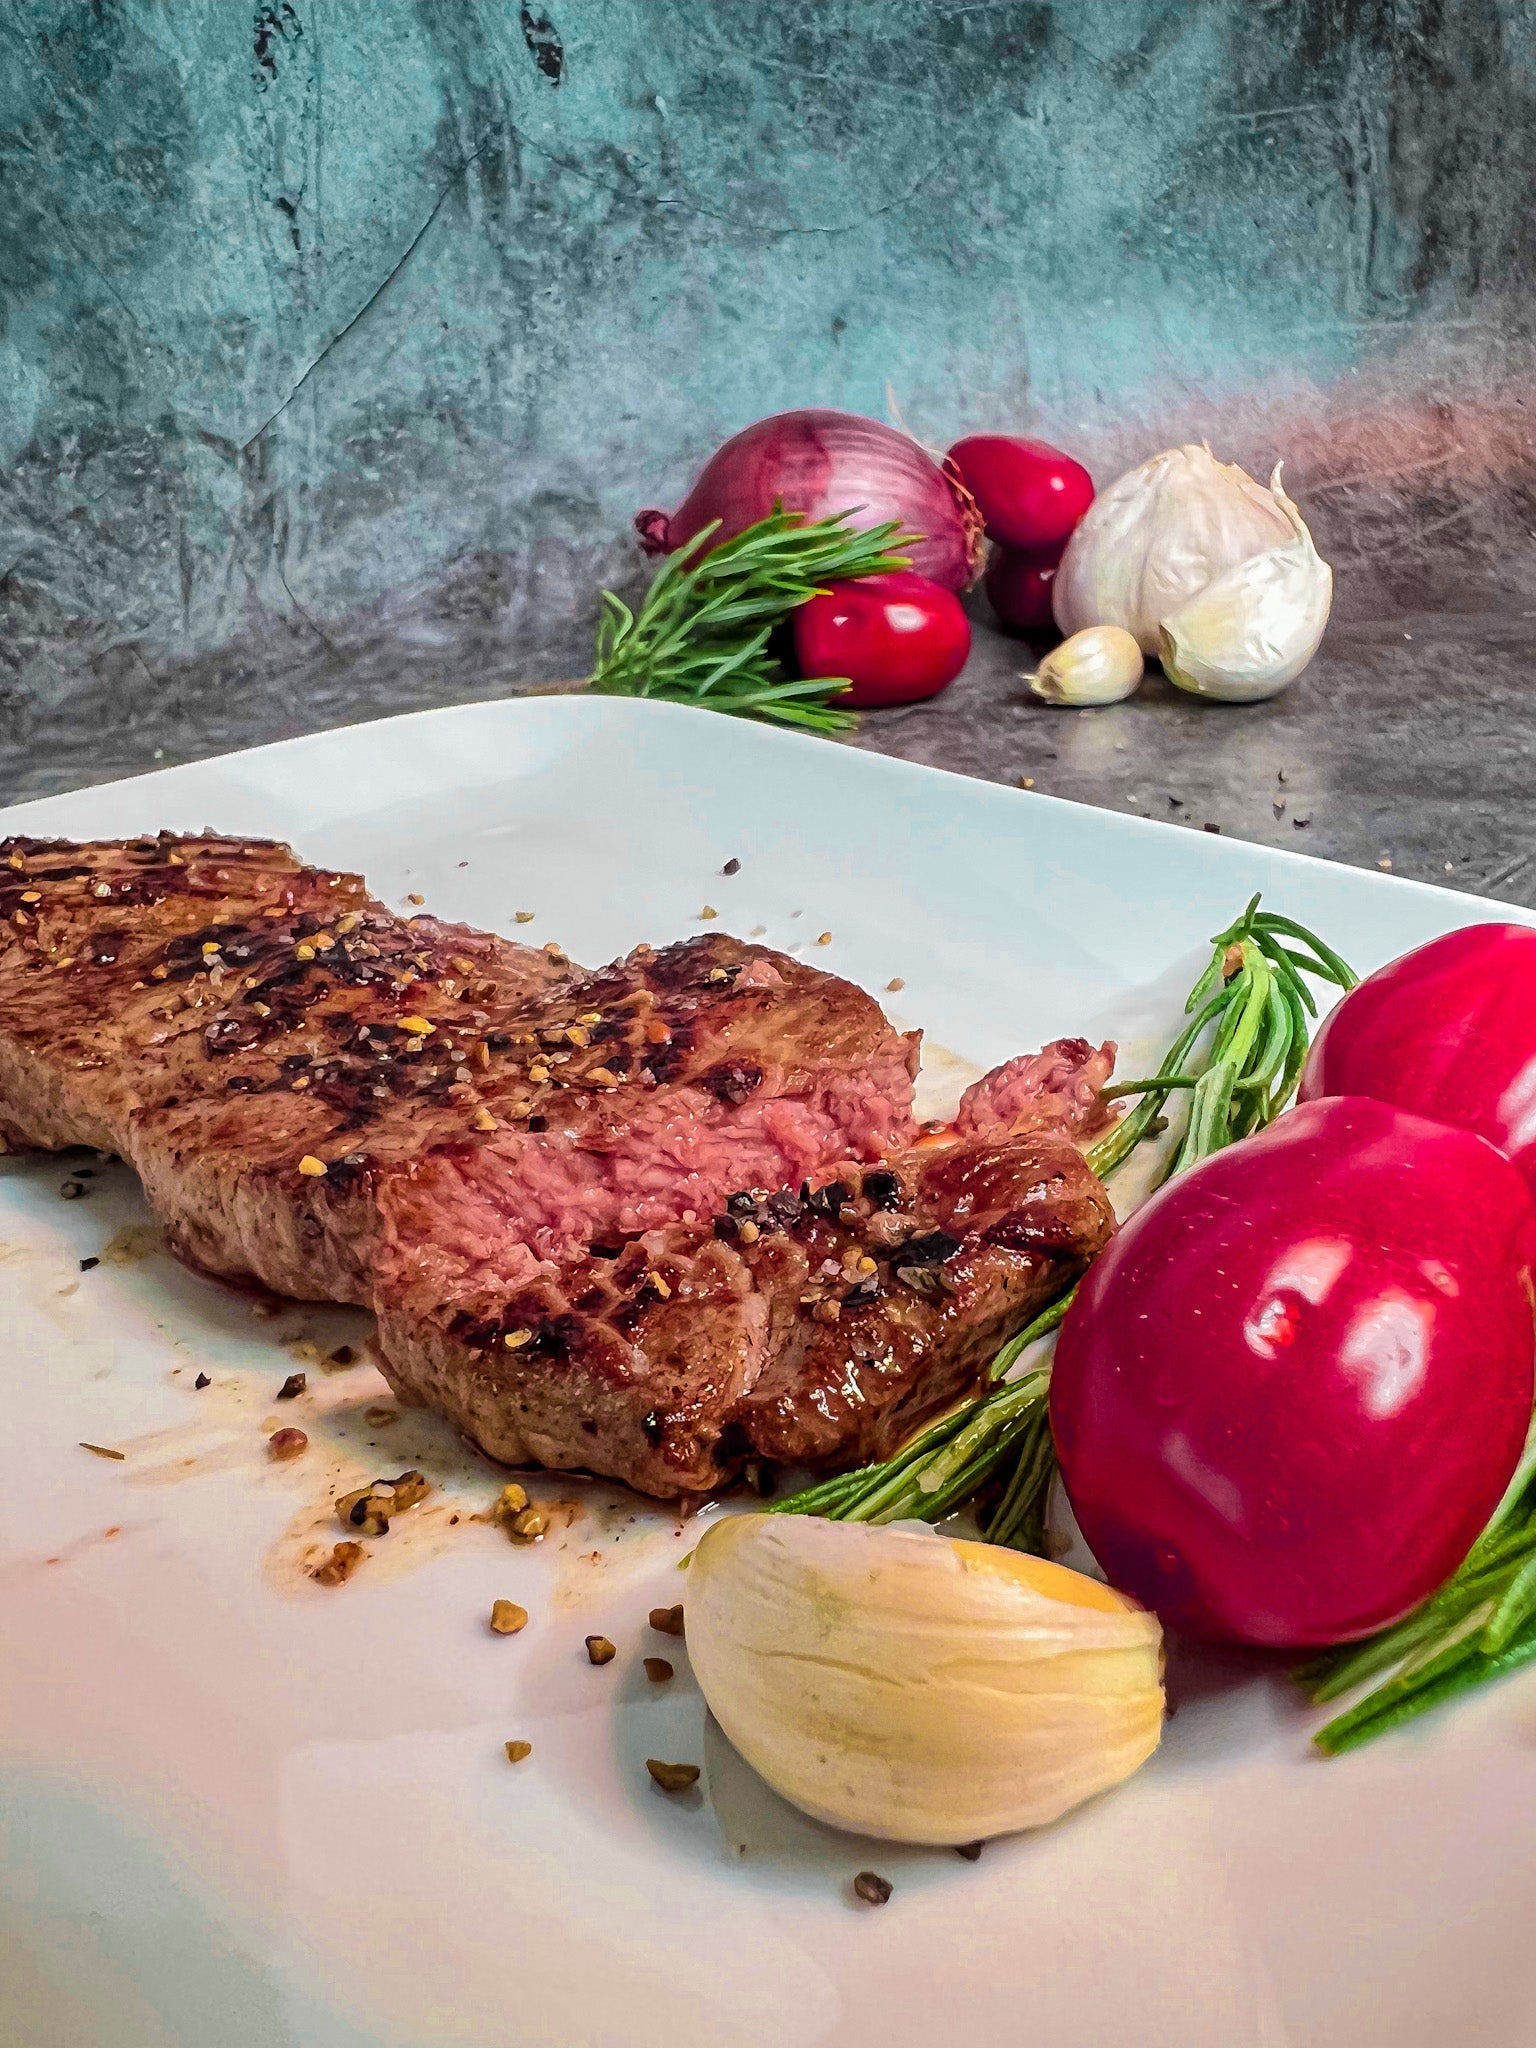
{"points": [[480, 1140], [231, 1021], [1056, 1088], [999, 1227], [804, 1328], [217, 1012], [665, 1082]]}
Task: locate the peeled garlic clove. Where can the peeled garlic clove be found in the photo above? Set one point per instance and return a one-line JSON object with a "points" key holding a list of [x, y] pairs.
{"points": [[913, 1689], [1100, 665], [1159, 535], [1255, 628]]}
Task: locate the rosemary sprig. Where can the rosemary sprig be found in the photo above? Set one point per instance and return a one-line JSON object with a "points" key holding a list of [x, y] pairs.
{"points": [[1479, 1625], [702, 632], [936, 1472], [1249, 1009]]}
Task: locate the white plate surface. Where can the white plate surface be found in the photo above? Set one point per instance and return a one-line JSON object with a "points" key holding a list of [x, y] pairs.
{"points": [[238, 1809]]}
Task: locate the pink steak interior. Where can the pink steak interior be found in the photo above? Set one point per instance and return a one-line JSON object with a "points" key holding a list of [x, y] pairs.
{"points": [[471, 1218]]}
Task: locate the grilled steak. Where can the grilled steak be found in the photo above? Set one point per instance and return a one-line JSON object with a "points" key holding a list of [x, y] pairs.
{"points": [[219, 1013], [803, 1328], [461, 1132]]}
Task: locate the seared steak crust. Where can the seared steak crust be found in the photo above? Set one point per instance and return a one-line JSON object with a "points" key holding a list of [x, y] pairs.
{"points": [[633, 1175], [804, 1328], [217, 1012], [231, 1021]]}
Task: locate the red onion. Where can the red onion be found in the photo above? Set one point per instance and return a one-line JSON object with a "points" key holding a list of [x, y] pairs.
{"points": [[1450, 1031], [1291, 1392], [822, 463]]}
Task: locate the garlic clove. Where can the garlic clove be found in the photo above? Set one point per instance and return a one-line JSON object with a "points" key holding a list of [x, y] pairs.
{"points": [[1100, 665], [1157, 536], [1253, 629], [913, 1689]]}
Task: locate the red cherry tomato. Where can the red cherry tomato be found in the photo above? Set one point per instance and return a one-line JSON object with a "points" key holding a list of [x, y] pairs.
{"points": [[1450, 1031], [1029, 494], [1019, 589], [896, 638], [1291, 1392]]}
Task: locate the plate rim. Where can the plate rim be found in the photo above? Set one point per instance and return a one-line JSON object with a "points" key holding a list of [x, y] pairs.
{"points": [[584, 707]]}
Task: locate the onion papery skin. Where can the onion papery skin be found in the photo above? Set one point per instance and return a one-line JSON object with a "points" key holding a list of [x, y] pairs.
{"points": [[1292, 1390], [1018, 588], [1029, 494], [823, 463], [897, 638], [1449, 1030]]}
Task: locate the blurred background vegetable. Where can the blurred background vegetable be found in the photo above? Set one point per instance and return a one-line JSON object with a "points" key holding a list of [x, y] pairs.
{"points": [[704, 630], [1254, 628], [1018, 588], [1212, 572], [826, 465], [1100, 665], [897, 637], [1192, 558], [1030, 495], [1157, 537]]}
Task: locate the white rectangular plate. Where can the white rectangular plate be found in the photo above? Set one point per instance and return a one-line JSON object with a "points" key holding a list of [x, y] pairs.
{"points": [[240, 1809]]}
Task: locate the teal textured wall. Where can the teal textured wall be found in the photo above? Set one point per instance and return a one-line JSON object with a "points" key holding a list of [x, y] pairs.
{"points": [[313, 309]]}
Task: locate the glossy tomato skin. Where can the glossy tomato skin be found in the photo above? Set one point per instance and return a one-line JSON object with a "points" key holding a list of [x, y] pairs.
{"points": [[896, 637], [1019, 588], [1291, 1392], [1450, 1031], [1030, 495]]}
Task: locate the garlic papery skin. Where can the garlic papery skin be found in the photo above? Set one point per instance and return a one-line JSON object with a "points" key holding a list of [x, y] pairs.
{"points": [[918, 1691], [1146, 545], [1100, 665], [1254, 629]]}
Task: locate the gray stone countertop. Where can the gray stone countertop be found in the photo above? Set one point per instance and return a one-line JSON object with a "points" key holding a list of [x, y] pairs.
{"points": [[1409, 742]]}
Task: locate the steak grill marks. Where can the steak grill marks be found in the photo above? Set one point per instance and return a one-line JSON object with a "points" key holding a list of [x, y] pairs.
{"points": [[606, 1219]]}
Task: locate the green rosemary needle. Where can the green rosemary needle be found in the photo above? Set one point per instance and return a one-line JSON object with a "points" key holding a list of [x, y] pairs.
{"points": [[703, 631]]}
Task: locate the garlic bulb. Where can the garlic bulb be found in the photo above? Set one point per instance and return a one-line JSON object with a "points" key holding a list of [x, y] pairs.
{"points": [[917, 1690], [1146, 545], [1100, 665], [1254, 629]]}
